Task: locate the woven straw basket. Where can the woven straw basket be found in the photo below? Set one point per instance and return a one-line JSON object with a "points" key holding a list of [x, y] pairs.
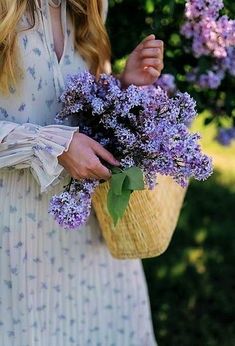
{"points": [[148, 223]]}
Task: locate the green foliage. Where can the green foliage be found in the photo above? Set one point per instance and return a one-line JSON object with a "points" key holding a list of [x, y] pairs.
{"points": [[129, 21]]}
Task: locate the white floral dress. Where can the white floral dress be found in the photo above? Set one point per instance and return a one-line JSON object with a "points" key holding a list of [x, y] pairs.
{"points": [[57, 288]]}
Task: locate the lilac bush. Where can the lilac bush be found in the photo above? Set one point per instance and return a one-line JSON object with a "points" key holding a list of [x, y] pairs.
{"points": [[210, 79], [211, 35]]}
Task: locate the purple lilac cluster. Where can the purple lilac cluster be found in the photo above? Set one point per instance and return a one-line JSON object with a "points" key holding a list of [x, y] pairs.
{"points": [[210, 8], [225, 136], [142, 127], [167, 82], [229, 62], [212, 35], [72, 207], [210, 79]]}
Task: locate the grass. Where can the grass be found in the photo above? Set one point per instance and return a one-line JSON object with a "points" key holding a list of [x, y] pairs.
{"points": [[192, 285]]}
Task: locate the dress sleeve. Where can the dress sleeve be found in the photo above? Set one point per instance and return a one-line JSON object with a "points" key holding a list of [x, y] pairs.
{"points": [[34, 146]]}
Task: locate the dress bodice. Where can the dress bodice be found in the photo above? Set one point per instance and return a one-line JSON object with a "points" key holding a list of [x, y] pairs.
{"points": [[35, 99]]}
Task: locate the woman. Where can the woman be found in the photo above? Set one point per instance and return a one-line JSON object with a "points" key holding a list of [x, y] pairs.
{"points": [[57, 287]]}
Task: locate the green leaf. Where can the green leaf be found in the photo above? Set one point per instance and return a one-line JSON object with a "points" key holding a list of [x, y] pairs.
{"points": [[135, 179], [115, 170], [121, 187], [117, 183], [117, 204]]}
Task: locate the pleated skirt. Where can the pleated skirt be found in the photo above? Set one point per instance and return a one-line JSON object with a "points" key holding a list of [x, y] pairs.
{"points": [[63, 288]]}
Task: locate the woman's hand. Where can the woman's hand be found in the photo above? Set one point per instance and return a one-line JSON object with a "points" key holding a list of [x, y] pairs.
{"points": [[82, 158], [144, 64]]}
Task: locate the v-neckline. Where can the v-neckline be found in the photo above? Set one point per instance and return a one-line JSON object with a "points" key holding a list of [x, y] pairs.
{"points": [[58, 42], [48, 28]]}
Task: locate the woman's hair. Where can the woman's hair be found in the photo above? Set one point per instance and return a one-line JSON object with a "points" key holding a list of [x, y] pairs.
{"points": [[91, 38]]}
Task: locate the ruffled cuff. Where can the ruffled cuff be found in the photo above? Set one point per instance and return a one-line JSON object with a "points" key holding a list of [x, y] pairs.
{"points": [[51, 142], [39, 147], [6, 127]]}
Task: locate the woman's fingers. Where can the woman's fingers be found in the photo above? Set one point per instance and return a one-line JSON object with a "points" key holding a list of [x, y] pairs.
{"points": [[150, 42], [93, 169], [142, 43], [100, 171], [151, 52], [155, 73], [151, 55], [154, 44], [97, 168], [156, 63], [81, 160], [92, 175], [104, 154]]}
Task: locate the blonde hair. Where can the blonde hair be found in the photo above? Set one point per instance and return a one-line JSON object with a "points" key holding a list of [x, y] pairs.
{"points": [[91, 38]]}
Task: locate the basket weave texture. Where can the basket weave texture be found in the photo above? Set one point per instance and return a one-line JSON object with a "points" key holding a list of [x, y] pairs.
{"points": [[148, 224]]}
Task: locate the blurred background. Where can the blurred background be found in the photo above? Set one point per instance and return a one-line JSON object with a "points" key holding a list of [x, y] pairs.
{"points": [[192, 285]]}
